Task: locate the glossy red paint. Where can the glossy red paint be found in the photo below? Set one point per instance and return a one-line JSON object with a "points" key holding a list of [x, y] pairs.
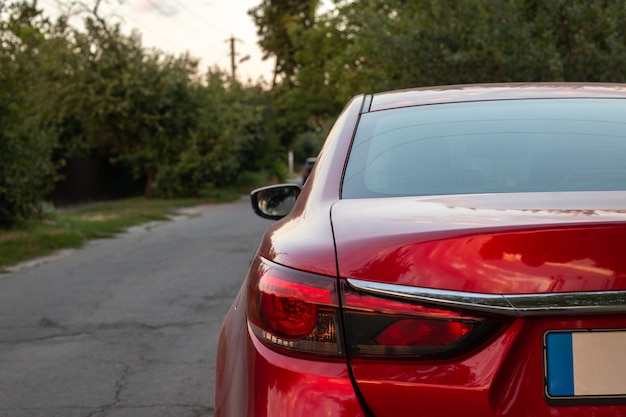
{"points": [[303, 240], [285, 386], [247, 371], [498, 244], [530, 243], [466, 245], [232, 396], [253, 380], [503, 379], [403, 389]]}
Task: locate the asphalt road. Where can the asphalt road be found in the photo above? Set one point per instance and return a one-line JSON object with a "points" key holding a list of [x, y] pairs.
{"points": [[125, 326]]}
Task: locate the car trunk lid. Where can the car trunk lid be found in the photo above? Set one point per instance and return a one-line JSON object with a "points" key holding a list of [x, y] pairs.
{"points": [[494, 244]]}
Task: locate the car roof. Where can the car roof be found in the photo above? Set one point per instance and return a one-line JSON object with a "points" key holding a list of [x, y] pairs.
{"points": [[488, 92]]}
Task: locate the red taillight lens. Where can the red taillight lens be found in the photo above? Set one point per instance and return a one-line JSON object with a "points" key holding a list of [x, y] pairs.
{"points": [[284, 308], [422, 332], [389, 328], [288, 316], [293, 310]]}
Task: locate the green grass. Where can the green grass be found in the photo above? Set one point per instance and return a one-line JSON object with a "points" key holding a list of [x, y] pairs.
{"points": [[73, 227]]}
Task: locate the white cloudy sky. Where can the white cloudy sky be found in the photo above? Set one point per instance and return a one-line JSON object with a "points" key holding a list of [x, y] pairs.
{"points": [[202, 27]]}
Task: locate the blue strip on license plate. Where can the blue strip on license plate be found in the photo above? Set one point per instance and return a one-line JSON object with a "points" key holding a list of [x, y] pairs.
{"points": [[585, 364]]}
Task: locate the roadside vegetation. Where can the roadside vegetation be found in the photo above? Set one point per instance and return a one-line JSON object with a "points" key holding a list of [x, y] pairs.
{"points": [[72, 227], [79, 87]]}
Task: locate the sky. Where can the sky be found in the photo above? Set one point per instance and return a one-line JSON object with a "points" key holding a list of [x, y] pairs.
{"points": [[201, 27]]}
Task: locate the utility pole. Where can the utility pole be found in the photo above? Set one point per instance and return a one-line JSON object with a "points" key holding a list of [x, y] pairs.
{"points": [[233, 65], [233, 56]]}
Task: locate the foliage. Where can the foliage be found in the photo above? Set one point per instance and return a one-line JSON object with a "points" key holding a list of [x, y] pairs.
{"points": [[309, 144], [280, 24], [231, 133], [383, 45], [97, 92], [25, 150], [376, 45]]}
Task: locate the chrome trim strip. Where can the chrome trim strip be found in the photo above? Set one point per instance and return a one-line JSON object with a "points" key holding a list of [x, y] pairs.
{"points": [[511, 304]]}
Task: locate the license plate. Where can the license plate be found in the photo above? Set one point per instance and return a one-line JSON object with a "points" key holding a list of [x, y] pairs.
{"points": [[585, 365]]}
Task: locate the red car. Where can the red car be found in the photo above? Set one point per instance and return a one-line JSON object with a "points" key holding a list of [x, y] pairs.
{"points": [[457, 251]]}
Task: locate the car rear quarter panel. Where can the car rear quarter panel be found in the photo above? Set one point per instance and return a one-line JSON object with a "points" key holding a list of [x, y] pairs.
{"points": [[286, 386], [304, 239]]}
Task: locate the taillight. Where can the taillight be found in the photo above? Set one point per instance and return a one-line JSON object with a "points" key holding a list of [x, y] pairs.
{"points": [[389, 328], [299, 313], [293, 310]]}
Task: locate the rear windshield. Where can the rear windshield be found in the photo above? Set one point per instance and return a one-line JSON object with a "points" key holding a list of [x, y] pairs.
{"points": [[489, 147]]}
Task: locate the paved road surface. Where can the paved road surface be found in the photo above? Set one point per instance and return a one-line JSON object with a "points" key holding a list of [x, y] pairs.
{"points": [[125, 327]]}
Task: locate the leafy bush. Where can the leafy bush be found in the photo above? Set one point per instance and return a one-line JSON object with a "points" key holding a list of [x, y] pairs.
{"points": [[26, 174], [26, 170]]}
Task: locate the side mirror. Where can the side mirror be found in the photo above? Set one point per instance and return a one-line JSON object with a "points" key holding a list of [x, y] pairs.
{"points": [[274, 201]]}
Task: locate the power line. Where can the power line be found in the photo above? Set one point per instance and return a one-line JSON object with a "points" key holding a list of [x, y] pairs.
{"points": [[199, 31], [184, 29], [200, 19], [201, 34], [205, 23]]}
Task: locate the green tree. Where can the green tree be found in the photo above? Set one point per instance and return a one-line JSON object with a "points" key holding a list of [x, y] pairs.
{"points": [[282, 26], [121, 101], [279, 25], [96, 92], [379, 45], [26, 170], [233, 134]]}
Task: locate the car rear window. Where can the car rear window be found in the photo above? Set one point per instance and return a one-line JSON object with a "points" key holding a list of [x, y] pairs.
{"points": [[489, 147]]}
